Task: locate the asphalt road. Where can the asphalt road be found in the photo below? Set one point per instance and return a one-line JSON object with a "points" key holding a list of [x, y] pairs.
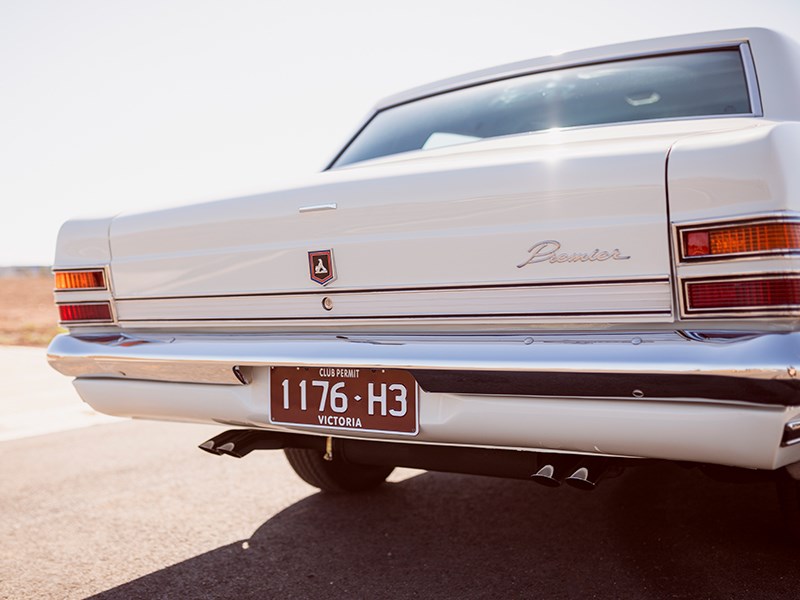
{"points": [[132, 509]]}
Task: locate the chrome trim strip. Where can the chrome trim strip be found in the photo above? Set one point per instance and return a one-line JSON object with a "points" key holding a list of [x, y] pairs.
{"points": [[430, 288], [74, 290], [413, 325], [212, 358], [549, 300], [675, 301], [317, 207], [792, 431], [365, 318], [752, 79]]}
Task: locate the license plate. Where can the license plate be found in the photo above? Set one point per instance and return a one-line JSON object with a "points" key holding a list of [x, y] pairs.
{"points": [[374, 400]]}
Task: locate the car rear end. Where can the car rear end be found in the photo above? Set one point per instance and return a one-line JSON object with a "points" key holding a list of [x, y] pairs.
{"points": [[533, 303]]}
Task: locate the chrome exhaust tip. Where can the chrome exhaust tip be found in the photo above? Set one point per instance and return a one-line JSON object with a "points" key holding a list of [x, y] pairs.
{"points": [[208, 447], [546, 476], [553, 467], [224, 442], [241, 442], [226, 448], [588, 474]]}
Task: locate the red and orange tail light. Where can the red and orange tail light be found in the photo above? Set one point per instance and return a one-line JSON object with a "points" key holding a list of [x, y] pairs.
{"points": [[753, 238], [769, 294], [750, 291], [86, 280], [83, 312]]}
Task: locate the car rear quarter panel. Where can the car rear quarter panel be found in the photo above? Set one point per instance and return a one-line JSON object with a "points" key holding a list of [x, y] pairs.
{"points": [[734, 175]]}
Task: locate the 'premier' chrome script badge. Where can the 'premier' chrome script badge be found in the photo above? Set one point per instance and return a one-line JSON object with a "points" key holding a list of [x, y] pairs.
{"points": [[548, 251]]}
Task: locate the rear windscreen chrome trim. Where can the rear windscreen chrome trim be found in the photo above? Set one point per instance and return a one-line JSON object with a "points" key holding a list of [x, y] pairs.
{"points": [[752, 80]]}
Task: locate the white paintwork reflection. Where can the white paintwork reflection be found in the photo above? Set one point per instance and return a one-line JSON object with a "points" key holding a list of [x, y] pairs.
{"points": [[466, 219]]}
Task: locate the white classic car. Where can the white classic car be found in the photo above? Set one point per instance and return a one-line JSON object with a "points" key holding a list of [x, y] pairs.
{"points": [[550, 270]]}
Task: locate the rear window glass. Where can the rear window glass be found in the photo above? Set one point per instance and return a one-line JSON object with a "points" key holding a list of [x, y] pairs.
{"points": [[660, 87]]}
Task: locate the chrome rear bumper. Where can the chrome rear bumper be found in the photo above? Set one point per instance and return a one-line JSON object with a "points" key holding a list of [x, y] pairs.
{"points": [[753, 369], [660, 395]]}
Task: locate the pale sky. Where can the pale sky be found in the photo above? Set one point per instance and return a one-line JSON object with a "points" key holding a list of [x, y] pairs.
{"points": [[118, 106]]}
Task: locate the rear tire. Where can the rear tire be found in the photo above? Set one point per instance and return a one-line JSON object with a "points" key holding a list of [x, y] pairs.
{"points": [[337, 475]]}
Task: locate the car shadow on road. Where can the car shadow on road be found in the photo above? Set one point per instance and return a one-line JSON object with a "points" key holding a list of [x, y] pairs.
{"points": [[657, 532]]}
